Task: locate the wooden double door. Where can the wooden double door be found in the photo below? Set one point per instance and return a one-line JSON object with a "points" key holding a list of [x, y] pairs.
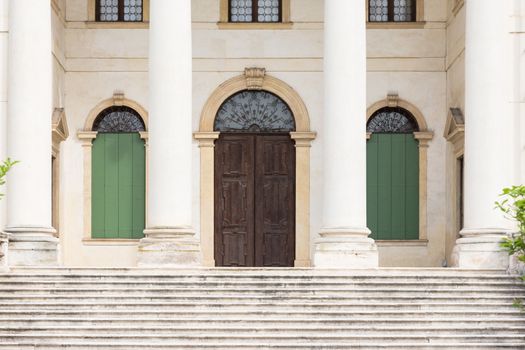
{"points": [[254, 200]]}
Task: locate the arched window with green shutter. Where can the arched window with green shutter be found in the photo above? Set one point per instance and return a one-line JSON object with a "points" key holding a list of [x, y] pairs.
{"points": [[118, 175], [392, 175]]}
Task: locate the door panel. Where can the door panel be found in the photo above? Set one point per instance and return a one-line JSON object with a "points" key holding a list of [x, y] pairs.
{"points": [[393, 186], [254, 200], [118, 186], [275, 195], [234, 191]]}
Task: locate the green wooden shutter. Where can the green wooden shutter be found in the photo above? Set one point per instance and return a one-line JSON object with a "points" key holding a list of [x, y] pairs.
{"points": [[118, 186], [393, 186]]}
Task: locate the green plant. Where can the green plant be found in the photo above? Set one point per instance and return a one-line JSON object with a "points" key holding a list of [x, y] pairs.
{"points": [[513, 205], [4, 168]]}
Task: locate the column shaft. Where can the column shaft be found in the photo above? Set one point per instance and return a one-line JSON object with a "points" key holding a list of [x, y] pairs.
{"points": [[169, 236], [3, 99], [344, 239], [32, 240], [489, 142]]}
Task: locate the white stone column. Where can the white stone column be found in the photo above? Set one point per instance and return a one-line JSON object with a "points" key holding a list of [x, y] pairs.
{"points": [[3, 122], [170, 238], [3, 99], [32, 240], [344, 238], [489, 145]]}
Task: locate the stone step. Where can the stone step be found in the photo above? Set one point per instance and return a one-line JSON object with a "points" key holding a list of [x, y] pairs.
{"points": [[278, 338], [259, 279], [483, 313], [270, 300], [258, 308], [259, 346], [36, 322], [241, 287], [237, 271], [268, 331]]}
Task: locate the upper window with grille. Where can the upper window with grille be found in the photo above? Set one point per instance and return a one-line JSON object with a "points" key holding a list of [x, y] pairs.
{"points": [[255, 11], [392, 10], [120, 10]]}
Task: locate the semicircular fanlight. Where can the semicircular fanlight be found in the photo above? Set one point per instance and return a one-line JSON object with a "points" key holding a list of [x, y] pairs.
{"points": [[392, 120], [254, 111], [118, 119]]}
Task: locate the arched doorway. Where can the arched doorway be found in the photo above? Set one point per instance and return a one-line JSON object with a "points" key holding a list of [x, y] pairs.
{"points": [[255, 79], [118, 175], [398, 140], [254, 182]]}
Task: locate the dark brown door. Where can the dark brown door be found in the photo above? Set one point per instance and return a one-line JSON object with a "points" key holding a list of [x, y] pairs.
{"points": [[254, 200]]}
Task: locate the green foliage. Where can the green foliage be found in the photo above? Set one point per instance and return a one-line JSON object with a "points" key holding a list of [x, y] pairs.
{"points": [[4, 168], [513, 205]]}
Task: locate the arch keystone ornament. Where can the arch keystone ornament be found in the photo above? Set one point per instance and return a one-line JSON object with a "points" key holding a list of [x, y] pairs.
{"points": [[255, 79]]}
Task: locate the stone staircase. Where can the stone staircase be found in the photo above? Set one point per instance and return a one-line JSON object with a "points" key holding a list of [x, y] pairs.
{"points": [[259, 309]]}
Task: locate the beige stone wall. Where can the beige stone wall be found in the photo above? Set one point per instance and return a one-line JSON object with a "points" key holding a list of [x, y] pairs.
{"points": [[100, 60], [455, 66]]}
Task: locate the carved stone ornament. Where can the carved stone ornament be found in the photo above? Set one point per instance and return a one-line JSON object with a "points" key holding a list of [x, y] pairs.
{"points": [[393, 100], [254, 78]]}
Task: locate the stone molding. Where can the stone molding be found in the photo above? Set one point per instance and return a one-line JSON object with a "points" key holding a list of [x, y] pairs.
{"points": [[87, 136], [118, 99], [393, 100], [455, 130], [206, 136], [424, 136], [458, 5], [60, 129]]}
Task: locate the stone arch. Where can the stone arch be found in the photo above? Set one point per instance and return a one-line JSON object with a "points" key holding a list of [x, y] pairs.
{"points": [[255, 79], [393, 101], [118, 99]]}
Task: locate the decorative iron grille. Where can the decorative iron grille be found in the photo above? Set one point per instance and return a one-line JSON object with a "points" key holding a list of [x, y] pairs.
{"points": [[118, 119], [255, 11], [254, 111], [392, 120]]}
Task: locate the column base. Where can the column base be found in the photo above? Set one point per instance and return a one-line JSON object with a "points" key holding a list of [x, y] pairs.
{"points": [[4, 241], [346, 248], [32, 246], [480, 249], [169, 247]]}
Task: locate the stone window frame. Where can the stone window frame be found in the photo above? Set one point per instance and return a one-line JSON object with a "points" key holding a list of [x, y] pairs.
{"points": [[417, 24], [224, 20], [423, 136], [255, 79], [87, 136], [93, 23]]}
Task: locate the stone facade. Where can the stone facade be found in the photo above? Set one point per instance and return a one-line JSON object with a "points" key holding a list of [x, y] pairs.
{"points": [[422, 63]]}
